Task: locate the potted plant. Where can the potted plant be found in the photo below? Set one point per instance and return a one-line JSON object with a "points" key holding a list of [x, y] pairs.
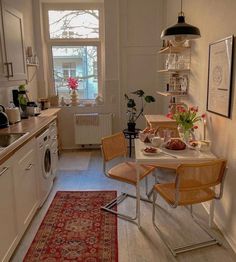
{"points": [[132, 112], [23, 99]]}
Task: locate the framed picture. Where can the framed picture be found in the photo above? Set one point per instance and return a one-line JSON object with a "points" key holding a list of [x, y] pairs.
{"points": [[220, 76]]}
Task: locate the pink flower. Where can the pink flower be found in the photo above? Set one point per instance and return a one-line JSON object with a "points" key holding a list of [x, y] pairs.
{"points": [[203, 115], [194, 109], [72, 83], [169, 115]]}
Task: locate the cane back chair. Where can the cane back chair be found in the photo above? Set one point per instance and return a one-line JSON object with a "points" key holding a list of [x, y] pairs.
{"points": [[194, 183], [113, 147]]}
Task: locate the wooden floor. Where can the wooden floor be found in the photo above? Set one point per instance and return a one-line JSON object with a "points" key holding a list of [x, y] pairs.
{"points": [[135, 245]]}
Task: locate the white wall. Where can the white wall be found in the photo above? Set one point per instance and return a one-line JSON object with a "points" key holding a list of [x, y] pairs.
{"points": [[216, 20], [25, 7], [141, 22]]}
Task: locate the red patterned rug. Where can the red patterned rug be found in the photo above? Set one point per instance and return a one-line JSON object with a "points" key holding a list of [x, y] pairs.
{"points": [[76, 229]]}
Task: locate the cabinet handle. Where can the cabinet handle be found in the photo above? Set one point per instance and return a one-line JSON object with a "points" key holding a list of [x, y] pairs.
{"points": [[29, 167], [11, 75], [8, 73], [3, 171]]}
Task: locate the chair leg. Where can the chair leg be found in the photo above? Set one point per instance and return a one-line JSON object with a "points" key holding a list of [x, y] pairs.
{"points": [[177, 250], [115, 202], [156, 227], [204, 228], [148, 194]]}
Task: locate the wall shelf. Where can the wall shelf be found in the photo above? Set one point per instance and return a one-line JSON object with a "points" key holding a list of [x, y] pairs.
{"points": [[32, 65], [173, 70], [173, 49], [173, 94], [31, 73]]}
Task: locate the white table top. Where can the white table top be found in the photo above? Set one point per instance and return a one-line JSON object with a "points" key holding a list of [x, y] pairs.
{"points": [[182, 156]]}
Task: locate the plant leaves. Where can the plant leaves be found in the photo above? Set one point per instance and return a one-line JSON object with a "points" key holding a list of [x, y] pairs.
{"points": [[126, 97], [139, 92], [149, 99], [131, 103]]}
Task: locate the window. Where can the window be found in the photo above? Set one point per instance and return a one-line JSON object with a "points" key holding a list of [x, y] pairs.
{"points": [[75, 41]]}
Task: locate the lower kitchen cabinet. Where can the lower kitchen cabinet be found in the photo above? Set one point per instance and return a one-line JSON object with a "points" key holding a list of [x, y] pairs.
{"points": [[24, 172], [18, 197], [8, 224]]}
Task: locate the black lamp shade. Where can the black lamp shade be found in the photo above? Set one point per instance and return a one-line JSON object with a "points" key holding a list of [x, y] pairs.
{"points": [[181, 29]]}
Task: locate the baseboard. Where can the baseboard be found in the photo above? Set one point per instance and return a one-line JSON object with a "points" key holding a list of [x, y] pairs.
{"points": [[217, 221]]}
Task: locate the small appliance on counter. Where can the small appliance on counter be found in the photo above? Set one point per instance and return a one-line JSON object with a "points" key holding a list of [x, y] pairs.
{"points": [[4, 122], [33, 109], [13, 114]]}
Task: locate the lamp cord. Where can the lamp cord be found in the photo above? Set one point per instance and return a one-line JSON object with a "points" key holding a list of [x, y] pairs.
{"points": [[181, 8]]}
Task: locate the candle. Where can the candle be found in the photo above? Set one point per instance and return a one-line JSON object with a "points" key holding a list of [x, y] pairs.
{"points": [[204, 128]]}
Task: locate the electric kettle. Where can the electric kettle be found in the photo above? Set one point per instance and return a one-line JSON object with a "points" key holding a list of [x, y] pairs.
{"points": [[4, 122]]}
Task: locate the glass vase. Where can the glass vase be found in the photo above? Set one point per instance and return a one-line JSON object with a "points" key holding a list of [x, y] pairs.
{"points": [[74, 98], [186, 134]]}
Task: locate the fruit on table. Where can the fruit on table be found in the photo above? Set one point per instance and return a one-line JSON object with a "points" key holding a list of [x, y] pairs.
{"points": [[175, 144], [150, 150]]}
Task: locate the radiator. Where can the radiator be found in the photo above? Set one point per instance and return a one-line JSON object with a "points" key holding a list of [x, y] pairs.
{"points": [[90, 128]]}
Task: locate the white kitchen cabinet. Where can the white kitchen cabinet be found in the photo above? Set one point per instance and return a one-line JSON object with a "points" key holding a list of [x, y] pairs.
{"points": [[12, 51], [8, 225], [25, 172]]}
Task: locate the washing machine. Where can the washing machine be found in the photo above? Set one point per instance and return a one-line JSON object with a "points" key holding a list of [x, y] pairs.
{"points": [[45, 174]]}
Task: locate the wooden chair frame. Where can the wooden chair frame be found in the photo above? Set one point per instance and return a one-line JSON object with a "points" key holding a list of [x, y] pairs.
{"points": [[213, 240]]}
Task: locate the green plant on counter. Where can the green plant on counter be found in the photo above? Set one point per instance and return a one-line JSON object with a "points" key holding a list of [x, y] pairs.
{"points": [[22, 97]]}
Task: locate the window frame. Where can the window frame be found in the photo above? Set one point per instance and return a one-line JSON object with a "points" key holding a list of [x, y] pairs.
{"points": [[98, 42]]}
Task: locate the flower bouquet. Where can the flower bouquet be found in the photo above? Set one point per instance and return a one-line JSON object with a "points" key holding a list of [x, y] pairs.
{"points": [[186, 119], [73, 86]]}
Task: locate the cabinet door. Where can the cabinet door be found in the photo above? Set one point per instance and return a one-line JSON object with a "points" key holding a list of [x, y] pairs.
{"points": [[14, 43], [3, 64], [8, 225], [25, 185]]}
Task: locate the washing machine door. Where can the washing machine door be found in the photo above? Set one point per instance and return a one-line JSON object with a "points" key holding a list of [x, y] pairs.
{"points": [[47, 162]]}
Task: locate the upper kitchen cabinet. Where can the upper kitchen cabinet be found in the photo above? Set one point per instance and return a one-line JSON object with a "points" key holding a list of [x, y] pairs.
{"points": [[12, 57]]}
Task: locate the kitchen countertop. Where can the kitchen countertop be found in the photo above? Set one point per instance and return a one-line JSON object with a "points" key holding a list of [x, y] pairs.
{"points": [[32, 126]]}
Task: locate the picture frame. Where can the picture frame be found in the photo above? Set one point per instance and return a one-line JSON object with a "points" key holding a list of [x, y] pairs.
{"points": [[219, 86]]}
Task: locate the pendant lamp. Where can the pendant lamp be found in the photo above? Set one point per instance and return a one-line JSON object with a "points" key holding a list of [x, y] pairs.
{"points": [[180, 31]]}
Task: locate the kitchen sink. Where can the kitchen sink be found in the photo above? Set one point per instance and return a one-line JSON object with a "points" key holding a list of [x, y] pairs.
{"points": [[8, 139]]}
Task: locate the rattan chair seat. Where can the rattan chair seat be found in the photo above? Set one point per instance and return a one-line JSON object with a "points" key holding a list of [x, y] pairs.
{"points": [[126, 172]]}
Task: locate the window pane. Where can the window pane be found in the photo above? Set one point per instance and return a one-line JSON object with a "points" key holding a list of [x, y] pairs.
{"points": [[73, 24], [79, 62]]}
